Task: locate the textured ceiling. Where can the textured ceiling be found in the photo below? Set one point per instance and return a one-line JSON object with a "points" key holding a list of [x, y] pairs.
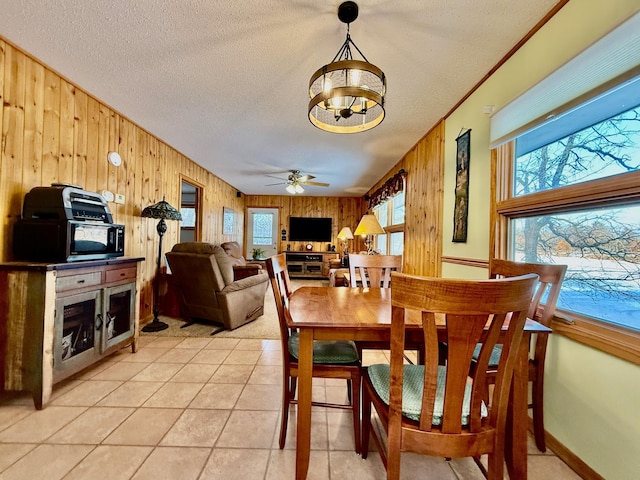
{"points": [[226, 83]]}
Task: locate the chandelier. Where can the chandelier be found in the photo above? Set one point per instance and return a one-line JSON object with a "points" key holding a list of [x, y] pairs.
{"points": [[347, 95]]}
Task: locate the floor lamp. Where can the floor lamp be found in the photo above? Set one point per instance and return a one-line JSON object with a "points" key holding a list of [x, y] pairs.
{"points": [[161, 210]]}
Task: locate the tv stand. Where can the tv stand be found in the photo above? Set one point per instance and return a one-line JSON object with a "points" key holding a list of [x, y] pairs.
{"points": [[309, 264]]}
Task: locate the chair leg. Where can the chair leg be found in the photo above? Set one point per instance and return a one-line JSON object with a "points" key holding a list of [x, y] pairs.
{"points": [[537, 394], [355, 403], [365, 430], [495, 470], [287, 394], [393, 462]]}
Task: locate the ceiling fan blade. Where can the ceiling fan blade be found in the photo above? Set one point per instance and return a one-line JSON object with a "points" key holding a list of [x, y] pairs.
{"points": [[273, 176], [305, 178], [316, 184], [279, 183]]}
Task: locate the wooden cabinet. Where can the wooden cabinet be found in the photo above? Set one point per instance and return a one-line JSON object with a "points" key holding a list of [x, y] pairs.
{"points": [[309, 264], [57, 319]]}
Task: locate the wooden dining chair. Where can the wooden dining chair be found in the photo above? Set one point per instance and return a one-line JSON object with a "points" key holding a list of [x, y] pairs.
{"points": [[547, 290], [373, 270], [438, 409], [331, 359]]}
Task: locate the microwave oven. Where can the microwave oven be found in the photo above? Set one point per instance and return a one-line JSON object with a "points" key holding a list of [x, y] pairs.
{"points": [[49, 240]]}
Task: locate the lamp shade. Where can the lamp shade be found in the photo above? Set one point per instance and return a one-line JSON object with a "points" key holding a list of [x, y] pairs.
{"points": [[162, 210], [294, 188], [369, 225], [345, 234]]}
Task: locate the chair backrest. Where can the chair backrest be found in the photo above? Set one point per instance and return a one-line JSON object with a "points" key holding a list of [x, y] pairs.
{"points": [[550, 279], [281, 286], [549, 283], [235, 252], [373, 270], [200, 265], [473, 312]]}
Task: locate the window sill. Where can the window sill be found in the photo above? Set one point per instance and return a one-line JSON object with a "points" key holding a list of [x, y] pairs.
{"points": [[614, 340]]}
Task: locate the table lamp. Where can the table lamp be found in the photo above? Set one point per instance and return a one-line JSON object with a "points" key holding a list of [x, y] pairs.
{"points": [[345, 235], [161, 210], [369, 226]]}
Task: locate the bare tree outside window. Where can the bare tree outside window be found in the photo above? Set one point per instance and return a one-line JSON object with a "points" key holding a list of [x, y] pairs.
{"points": [[600, 246]]}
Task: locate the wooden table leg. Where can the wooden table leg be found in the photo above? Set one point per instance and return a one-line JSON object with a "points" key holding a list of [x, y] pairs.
{"points": [[516, 428], [305, 371]]}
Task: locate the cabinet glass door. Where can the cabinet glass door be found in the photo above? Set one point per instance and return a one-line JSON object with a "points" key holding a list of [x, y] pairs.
{"points": [[75, 327], [119, 314]]}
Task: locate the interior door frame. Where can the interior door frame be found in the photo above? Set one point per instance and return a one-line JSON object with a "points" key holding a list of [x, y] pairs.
{"points": [[246, 226], [197, 234]]}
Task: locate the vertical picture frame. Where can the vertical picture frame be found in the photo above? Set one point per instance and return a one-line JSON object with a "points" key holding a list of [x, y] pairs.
{"points": [[228, 221], [461, 206]]}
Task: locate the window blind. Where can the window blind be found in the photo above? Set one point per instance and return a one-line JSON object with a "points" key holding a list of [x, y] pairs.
{"points": [[612, 60]]}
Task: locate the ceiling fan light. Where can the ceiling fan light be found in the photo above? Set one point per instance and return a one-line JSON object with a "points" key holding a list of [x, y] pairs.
{"points": [[298, 188], [291, 189]]}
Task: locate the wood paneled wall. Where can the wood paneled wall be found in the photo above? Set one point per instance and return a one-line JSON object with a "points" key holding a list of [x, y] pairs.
{"points": [[345, 212], [52, 131], [424, 165]]}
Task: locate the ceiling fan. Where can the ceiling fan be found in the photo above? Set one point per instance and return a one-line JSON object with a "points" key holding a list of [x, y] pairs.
{"points": [[296, 180]]}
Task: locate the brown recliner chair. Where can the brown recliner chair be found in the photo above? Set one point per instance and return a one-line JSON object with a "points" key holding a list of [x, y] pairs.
{"points": [[205, 285], [241, 267]]}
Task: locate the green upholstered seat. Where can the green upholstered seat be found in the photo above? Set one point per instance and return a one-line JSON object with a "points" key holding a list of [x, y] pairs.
{"points": [[413, 383], [494, 359], [326, 351]]}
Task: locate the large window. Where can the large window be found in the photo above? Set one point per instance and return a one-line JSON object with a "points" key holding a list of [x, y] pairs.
{"points": [[601, 246], [576, 201], [390, 214]]}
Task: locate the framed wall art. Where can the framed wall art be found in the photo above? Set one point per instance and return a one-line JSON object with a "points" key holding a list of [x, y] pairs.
{"points": [[461, 207], [228, 221]]}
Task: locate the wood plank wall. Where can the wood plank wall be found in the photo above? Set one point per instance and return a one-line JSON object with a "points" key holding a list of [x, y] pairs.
{"points": [[424, 165], [345, 212], [53, 131]]}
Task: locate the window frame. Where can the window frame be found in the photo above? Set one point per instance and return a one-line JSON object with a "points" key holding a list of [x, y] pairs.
{"points": [[389, 229], [620, 189]]}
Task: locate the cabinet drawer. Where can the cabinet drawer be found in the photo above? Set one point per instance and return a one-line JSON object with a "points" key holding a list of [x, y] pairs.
{"points": [[78, 281], [120, 274]]}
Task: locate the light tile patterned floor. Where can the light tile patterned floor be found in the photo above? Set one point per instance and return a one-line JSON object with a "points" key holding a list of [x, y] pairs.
{"points": [[196, 408]]}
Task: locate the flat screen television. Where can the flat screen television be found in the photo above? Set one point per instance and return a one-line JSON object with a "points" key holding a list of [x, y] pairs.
{"points": [[309, 229]]}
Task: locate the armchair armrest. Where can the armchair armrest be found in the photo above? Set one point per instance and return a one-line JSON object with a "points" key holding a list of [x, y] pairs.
{"points": [[244, 271]]}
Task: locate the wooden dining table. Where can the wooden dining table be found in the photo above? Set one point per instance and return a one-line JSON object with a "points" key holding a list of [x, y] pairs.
{"points": [[339, 313]]}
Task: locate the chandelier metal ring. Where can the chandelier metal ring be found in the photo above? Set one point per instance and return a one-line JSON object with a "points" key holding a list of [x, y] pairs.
{"points": [[347, 95]]}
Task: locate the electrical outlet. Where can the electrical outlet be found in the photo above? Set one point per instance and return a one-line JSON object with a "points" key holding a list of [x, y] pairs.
{"points": [[119, 198]]}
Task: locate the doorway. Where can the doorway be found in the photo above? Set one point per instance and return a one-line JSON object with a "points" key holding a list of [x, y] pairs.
{"points": [[190, 199], [262, 231]]}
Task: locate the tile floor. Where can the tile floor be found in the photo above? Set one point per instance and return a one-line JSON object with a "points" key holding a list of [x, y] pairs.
{"points": [[196, 408]]}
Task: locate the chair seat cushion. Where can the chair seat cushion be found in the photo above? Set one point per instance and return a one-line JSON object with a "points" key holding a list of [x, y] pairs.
{"points": [[326, 352], [413, 383], [494, 359]]}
